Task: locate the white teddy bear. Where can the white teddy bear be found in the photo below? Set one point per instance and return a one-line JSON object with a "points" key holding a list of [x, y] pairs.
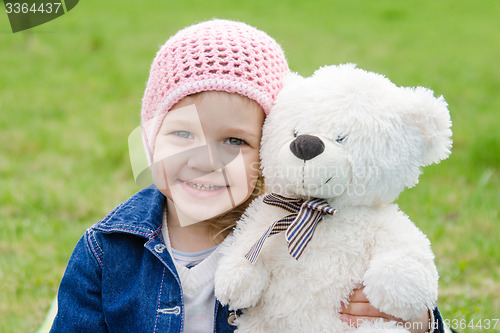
{"points": [[337, 149]]}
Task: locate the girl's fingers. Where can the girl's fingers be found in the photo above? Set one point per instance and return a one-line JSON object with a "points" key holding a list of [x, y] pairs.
{"points": [[360, 309], [358, 296]]}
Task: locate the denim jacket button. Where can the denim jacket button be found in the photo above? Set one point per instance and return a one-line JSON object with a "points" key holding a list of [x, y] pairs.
{"points": [[231, 319], [159, 248]]}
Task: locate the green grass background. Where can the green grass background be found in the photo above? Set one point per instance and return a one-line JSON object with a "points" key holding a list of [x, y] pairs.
{"points": [[70, 93]]}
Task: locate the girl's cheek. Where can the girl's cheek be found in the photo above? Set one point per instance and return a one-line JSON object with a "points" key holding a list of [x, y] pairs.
{"points": [[165, 149], [252, 163], [159, 176], [165, 173], [243, 175]]}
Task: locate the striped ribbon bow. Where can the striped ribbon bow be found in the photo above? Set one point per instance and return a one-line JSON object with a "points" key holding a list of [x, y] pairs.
{"points": [[299, 226]]}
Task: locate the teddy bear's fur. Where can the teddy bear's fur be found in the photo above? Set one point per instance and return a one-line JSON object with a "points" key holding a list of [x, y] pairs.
{"points": [[376, 137]]}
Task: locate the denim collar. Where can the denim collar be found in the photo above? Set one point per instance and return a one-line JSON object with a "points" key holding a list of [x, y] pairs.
{"points": [[140, 215]]}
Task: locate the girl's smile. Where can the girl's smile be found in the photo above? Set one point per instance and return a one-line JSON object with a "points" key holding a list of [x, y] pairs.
{"points": [[202, 190], [203, 187]]}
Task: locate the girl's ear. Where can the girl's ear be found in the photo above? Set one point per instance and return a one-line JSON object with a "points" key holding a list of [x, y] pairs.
{"points": [[431, 119]]}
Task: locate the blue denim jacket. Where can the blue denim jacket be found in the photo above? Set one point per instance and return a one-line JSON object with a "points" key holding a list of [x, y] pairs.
{"points": [[121, 278]]}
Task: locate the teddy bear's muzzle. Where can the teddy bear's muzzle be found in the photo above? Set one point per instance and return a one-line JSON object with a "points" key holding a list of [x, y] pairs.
{"points": [[306, 147]]}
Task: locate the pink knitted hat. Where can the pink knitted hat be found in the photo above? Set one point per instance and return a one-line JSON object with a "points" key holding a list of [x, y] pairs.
{"points": [[217, 55]]}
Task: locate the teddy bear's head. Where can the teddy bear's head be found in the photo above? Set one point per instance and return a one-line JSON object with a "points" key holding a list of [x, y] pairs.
{"points": [[351, 136]]}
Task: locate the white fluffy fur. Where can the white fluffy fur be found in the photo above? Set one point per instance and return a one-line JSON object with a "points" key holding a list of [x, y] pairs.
{"points": [[391, 132]]}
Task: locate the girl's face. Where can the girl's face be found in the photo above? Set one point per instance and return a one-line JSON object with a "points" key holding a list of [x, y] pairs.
{"points": [[206, 154]]}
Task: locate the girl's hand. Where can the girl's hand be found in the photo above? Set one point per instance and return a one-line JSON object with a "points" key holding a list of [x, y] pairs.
{"points": [[359, 309]]}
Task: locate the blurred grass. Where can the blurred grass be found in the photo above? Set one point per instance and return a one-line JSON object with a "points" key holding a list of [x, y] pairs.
{"points": [[70, 93]]}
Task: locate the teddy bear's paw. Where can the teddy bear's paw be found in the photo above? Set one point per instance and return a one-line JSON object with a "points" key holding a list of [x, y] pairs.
{"points": [[239, 283], [401, 287]]}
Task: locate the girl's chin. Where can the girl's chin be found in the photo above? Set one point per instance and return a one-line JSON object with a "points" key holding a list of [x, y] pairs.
{"points": [[193, 212]]}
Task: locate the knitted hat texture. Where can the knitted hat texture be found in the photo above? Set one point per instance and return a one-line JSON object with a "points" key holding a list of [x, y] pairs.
{"points": [[216, 55]]}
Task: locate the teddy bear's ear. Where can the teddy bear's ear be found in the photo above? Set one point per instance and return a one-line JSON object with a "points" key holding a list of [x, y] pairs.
{"points": [[291, 78], [431, 117], [292, 82]]}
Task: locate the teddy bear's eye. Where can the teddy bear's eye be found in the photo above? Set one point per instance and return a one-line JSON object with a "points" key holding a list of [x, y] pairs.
{"points": [[295, 133], [341, 138]]}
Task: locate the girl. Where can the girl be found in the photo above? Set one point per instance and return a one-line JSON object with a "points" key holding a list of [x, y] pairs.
{"points": [[149, 265]]}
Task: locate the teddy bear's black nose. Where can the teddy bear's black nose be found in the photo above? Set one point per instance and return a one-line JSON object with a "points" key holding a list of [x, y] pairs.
{"points": [[307, 146]]}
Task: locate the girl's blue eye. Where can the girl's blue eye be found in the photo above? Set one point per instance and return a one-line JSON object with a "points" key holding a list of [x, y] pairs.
{"points": [[235, 141], [183, 134]]}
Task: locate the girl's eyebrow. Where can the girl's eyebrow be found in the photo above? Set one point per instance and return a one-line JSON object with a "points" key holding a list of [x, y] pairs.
{"points": [[243, 132], [180, 122]]}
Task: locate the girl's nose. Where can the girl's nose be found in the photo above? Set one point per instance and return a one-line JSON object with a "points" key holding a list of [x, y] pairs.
{"points": [[200, 158], [221, 155], [211, 157]]}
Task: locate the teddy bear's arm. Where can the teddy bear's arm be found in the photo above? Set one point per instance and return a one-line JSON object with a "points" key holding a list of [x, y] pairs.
{"points": [[401, 279], [238, 282]]}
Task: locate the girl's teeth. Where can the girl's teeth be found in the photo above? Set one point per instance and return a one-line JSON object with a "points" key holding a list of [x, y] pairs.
{"points": [[204, 187]]}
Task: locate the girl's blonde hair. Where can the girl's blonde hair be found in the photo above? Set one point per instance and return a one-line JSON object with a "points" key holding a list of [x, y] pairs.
{"points": [[222, 225]]}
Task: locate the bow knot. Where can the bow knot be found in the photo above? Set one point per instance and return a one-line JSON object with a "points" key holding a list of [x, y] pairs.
{"points": [[299, 226]]}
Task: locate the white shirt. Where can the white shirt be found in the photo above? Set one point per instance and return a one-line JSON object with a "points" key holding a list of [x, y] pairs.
{"points": [[196, 272]]}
